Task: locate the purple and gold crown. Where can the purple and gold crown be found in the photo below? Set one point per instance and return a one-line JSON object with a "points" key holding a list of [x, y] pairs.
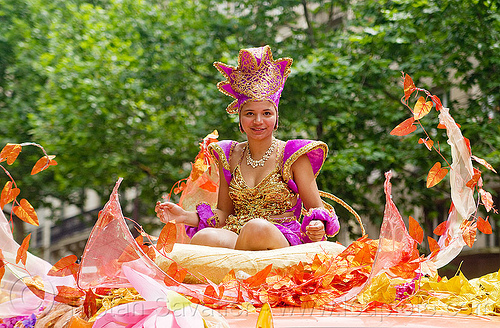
{"points": [[258, 77]]}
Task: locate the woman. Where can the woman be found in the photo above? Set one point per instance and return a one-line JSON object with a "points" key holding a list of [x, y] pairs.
{"points": [[265, 181]]}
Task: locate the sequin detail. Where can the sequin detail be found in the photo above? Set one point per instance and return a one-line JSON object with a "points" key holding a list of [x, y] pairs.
{"points": [[270, 197]]}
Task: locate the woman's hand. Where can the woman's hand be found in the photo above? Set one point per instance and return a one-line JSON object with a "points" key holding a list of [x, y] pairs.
{"points": [[315, 230], [169, 211]]}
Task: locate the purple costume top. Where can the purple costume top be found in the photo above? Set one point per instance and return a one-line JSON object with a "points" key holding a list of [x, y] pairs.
{"points": [[276, 194]]}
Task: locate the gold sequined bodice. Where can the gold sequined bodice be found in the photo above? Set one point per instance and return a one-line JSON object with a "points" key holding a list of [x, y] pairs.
{"points": [[271, 197]]}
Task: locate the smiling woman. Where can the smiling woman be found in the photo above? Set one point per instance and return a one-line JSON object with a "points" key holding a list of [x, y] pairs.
{"points": [[266, 182]]}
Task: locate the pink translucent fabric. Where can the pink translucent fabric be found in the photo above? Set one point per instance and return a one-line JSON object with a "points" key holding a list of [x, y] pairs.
{"points": [[111, 248], [21, 300]]}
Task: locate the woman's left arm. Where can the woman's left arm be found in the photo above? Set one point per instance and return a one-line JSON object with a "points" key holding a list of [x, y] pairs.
{"points": [[318, 218]]}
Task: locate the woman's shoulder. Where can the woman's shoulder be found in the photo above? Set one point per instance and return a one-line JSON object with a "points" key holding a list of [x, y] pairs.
{"points": [[315, 150], [224, 150]]}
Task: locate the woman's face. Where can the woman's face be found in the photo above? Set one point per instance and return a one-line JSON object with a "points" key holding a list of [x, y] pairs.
{"points": [[258, 119]]}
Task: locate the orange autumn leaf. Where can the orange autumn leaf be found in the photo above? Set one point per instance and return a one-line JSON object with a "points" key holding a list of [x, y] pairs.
{"points": [[69, 295], [484, 226], [43, 163], [26, 212], [441, 228], [433, 244], [415, 230], [2, 266], [421, 108], [35, 285], [22, 252], [65, 267], [436, 174], [90, 306], [10, 153], [467, 144], [408, 86], [427, 142], [475, 178], [486, 199], [442, 126], [363, 256], [404, 128], [175, 275], [167, 237], [437, 102], [259, 278], [209, 185], [77, 322], [483, 162], [8, 194], [469, 231]]}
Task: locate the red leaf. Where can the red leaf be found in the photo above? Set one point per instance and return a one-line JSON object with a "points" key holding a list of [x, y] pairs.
{"points": [[484, 226], [433, 244], [441, 228], [10, 153], [421, 108], [43, 163], [22, 252], [415, 230], [65, 267], [475, 178], [436, 174], [427, 142], [8, 194], [259, 278], [26, 212], [363, 256], [483, 162], [408, 86], [167, 238], [404, 128]]}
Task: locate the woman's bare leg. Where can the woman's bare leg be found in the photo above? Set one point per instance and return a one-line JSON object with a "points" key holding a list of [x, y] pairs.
{"points": [[258, 235], [215, 237]]}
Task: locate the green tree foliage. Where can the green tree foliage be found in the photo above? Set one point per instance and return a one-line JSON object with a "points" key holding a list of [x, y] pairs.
{"points": [[127, 88]]}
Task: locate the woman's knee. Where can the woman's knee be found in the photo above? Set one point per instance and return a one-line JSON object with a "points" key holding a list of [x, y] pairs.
{"points": [[213, 237], [259, 234]]}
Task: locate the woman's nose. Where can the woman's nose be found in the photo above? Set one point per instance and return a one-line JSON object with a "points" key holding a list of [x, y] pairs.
{"points": [[258, 118]]}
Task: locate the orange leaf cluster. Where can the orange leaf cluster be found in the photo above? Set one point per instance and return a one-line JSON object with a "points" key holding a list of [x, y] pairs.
{"points": [[26, 212], [8, 194], [175, 275], [314, 284], [69, 295], [10, 153], [469, 230]]}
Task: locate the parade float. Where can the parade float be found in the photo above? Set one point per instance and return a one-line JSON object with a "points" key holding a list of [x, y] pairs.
{"points": [[158, 281]]}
